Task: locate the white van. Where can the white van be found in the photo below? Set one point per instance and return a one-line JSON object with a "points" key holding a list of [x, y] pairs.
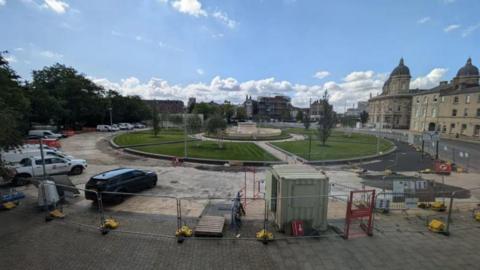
{"points": [[16, 155], [104, 128], [45, 133]]}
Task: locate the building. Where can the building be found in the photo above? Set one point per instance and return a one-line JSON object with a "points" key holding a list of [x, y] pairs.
{"points": [[250, 106], [166, 106], [452, 108], [317, 109], [277, 107], [392, 108], [191, 104]]}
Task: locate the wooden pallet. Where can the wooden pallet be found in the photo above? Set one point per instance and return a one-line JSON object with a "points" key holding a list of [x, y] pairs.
{"points": [[210, 226]]}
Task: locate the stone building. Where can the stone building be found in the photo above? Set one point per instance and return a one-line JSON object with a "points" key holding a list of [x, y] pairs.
{"points": [[452, 108], [250, 106], [277, 107], [392, 108]]}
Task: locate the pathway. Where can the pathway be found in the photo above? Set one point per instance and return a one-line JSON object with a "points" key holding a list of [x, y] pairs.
{"points": [[289, 158]]}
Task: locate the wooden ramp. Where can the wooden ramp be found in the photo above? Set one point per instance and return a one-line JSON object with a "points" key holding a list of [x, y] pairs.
{"points": [[210, 226]]}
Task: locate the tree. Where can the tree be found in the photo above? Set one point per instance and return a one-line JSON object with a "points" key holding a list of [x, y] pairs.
{"points": [[215, 126], [364, 117], [299, 116], [228, 111], [327, 120], [155, 120], [194, 123], [241, 114], [306, 121], [14, 106]]}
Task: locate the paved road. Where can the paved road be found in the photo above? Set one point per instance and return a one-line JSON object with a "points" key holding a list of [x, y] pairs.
{"points": [[463, 153]]}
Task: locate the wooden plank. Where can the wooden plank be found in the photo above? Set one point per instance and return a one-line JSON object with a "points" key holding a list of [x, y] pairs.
{"points": [[210, 226]]}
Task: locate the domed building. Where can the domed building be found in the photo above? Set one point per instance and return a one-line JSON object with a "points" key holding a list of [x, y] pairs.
{"points": [[451, 108], [392, 108]]}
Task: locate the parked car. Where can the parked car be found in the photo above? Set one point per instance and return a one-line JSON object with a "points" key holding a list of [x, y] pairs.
{"points": [[139, 125], [125, 126], [45, 134], [104, 128], [114, 128], [33, 167], [120, 180]]}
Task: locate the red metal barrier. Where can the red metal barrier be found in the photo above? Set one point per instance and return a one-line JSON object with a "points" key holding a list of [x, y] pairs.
{"points": [[443, 167], [360, 206], [49, 142], [68, 132], [297, 228]]}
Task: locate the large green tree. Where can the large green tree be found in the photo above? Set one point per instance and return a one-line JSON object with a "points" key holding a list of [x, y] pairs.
{"points": [[215, 125], [76, 101], [14, 106]]}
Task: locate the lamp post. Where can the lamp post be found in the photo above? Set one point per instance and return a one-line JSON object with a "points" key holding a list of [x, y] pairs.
{"points": [[110, 112]]}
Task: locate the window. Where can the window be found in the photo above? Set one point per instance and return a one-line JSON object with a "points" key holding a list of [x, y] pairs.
{"points": [[464, 127], [425, 100], [47, 161], [454, 112], [26, 162], [476, 131], [467, 99], [478, 112], [465, 112], [455, 100], [399, 108], [434, 112], [418, 99], [452, 127], [443, 99], [444, 128], [435, 99], [478, 99], [58, 160]]}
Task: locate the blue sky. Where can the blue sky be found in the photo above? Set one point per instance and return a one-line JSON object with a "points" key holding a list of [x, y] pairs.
{"points": [[216, 50]]}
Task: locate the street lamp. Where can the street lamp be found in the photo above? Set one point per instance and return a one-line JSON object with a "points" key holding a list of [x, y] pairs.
{"points": [[110, 112]]}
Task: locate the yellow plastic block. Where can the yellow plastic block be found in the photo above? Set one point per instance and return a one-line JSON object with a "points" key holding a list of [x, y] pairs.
{"points": [[438, 206], [9, 205], [184, 231], [264, 235], [57, 214], [111, 223], [477, 216], [436, 225]]}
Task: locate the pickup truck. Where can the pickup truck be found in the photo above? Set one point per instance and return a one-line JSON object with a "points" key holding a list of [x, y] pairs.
{"points": [[32, 167]]}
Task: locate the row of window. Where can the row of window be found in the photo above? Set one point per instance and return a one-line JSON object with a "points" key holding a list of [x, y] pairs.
{"points": [[456, 99], [465, 112]]}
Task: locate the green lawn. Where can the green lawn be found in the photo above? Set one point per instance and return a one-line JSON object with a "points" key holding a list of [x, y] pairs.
{"points": [[211, 150], [338, 146], [145, 137]]}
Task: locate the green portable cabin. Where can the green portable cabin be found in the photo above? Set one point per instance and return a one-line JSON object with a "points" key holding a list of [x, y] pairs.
{"points": [[297, 192]]}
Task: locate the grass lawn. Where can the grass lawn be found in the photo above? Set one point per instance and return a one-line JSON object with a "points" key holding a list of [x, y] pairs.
{"points": [[338, 146], [144, 137], [211, 150]]}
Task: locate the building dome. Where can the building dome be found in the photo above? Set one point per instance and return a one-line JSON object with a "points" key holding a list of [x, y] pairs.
{"points": [[468, 70], [401, 70]]}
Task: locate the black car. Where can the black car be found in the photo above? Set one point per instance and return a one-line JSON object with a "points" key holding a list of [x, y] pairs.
{"points": [[120, 180]]}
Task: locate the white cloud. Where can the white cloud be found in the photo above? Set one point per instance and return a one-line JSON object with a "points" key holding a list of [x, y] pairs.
{"points": [[423, 20], [470, 30], [50, 54], [354, 87], [223, 17], [3, 2], [451, 27], [11, 59], [321, 74], [191, 7], [200, 71], [430, 80], [57, 6], [19, 49]]}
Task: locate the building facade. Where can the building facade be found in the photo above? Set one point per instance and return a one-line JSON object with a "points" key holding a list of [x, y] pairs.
{"points": [[392, 108], [277, 107], [452, 108]]}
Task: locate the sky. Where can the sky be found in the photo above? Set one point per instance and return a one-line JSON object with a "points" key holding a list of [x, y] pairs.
{"points": [[225, 50]]}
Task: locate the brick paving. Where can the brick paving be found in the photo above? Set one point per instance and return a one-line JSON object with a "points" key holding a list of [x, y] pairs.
{"points": [[400, 242]]}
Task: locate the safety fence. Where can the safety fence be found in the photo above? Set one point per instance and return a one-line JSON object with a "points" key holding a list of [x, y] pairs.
{"points": [[242, 217]]}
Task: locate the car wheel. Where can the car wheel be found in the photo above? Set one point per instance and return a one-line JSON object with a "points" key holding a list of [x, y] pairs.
{"points": [[153, 184], [77, 170], [21, 179]]}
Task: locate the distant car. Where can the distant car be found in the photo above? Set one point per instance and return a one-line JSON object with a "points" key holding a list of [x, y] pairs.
{"points": [[125, 126], [120, 180], [114, 128], [139, 125], [45, 134], [103, 128]]}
